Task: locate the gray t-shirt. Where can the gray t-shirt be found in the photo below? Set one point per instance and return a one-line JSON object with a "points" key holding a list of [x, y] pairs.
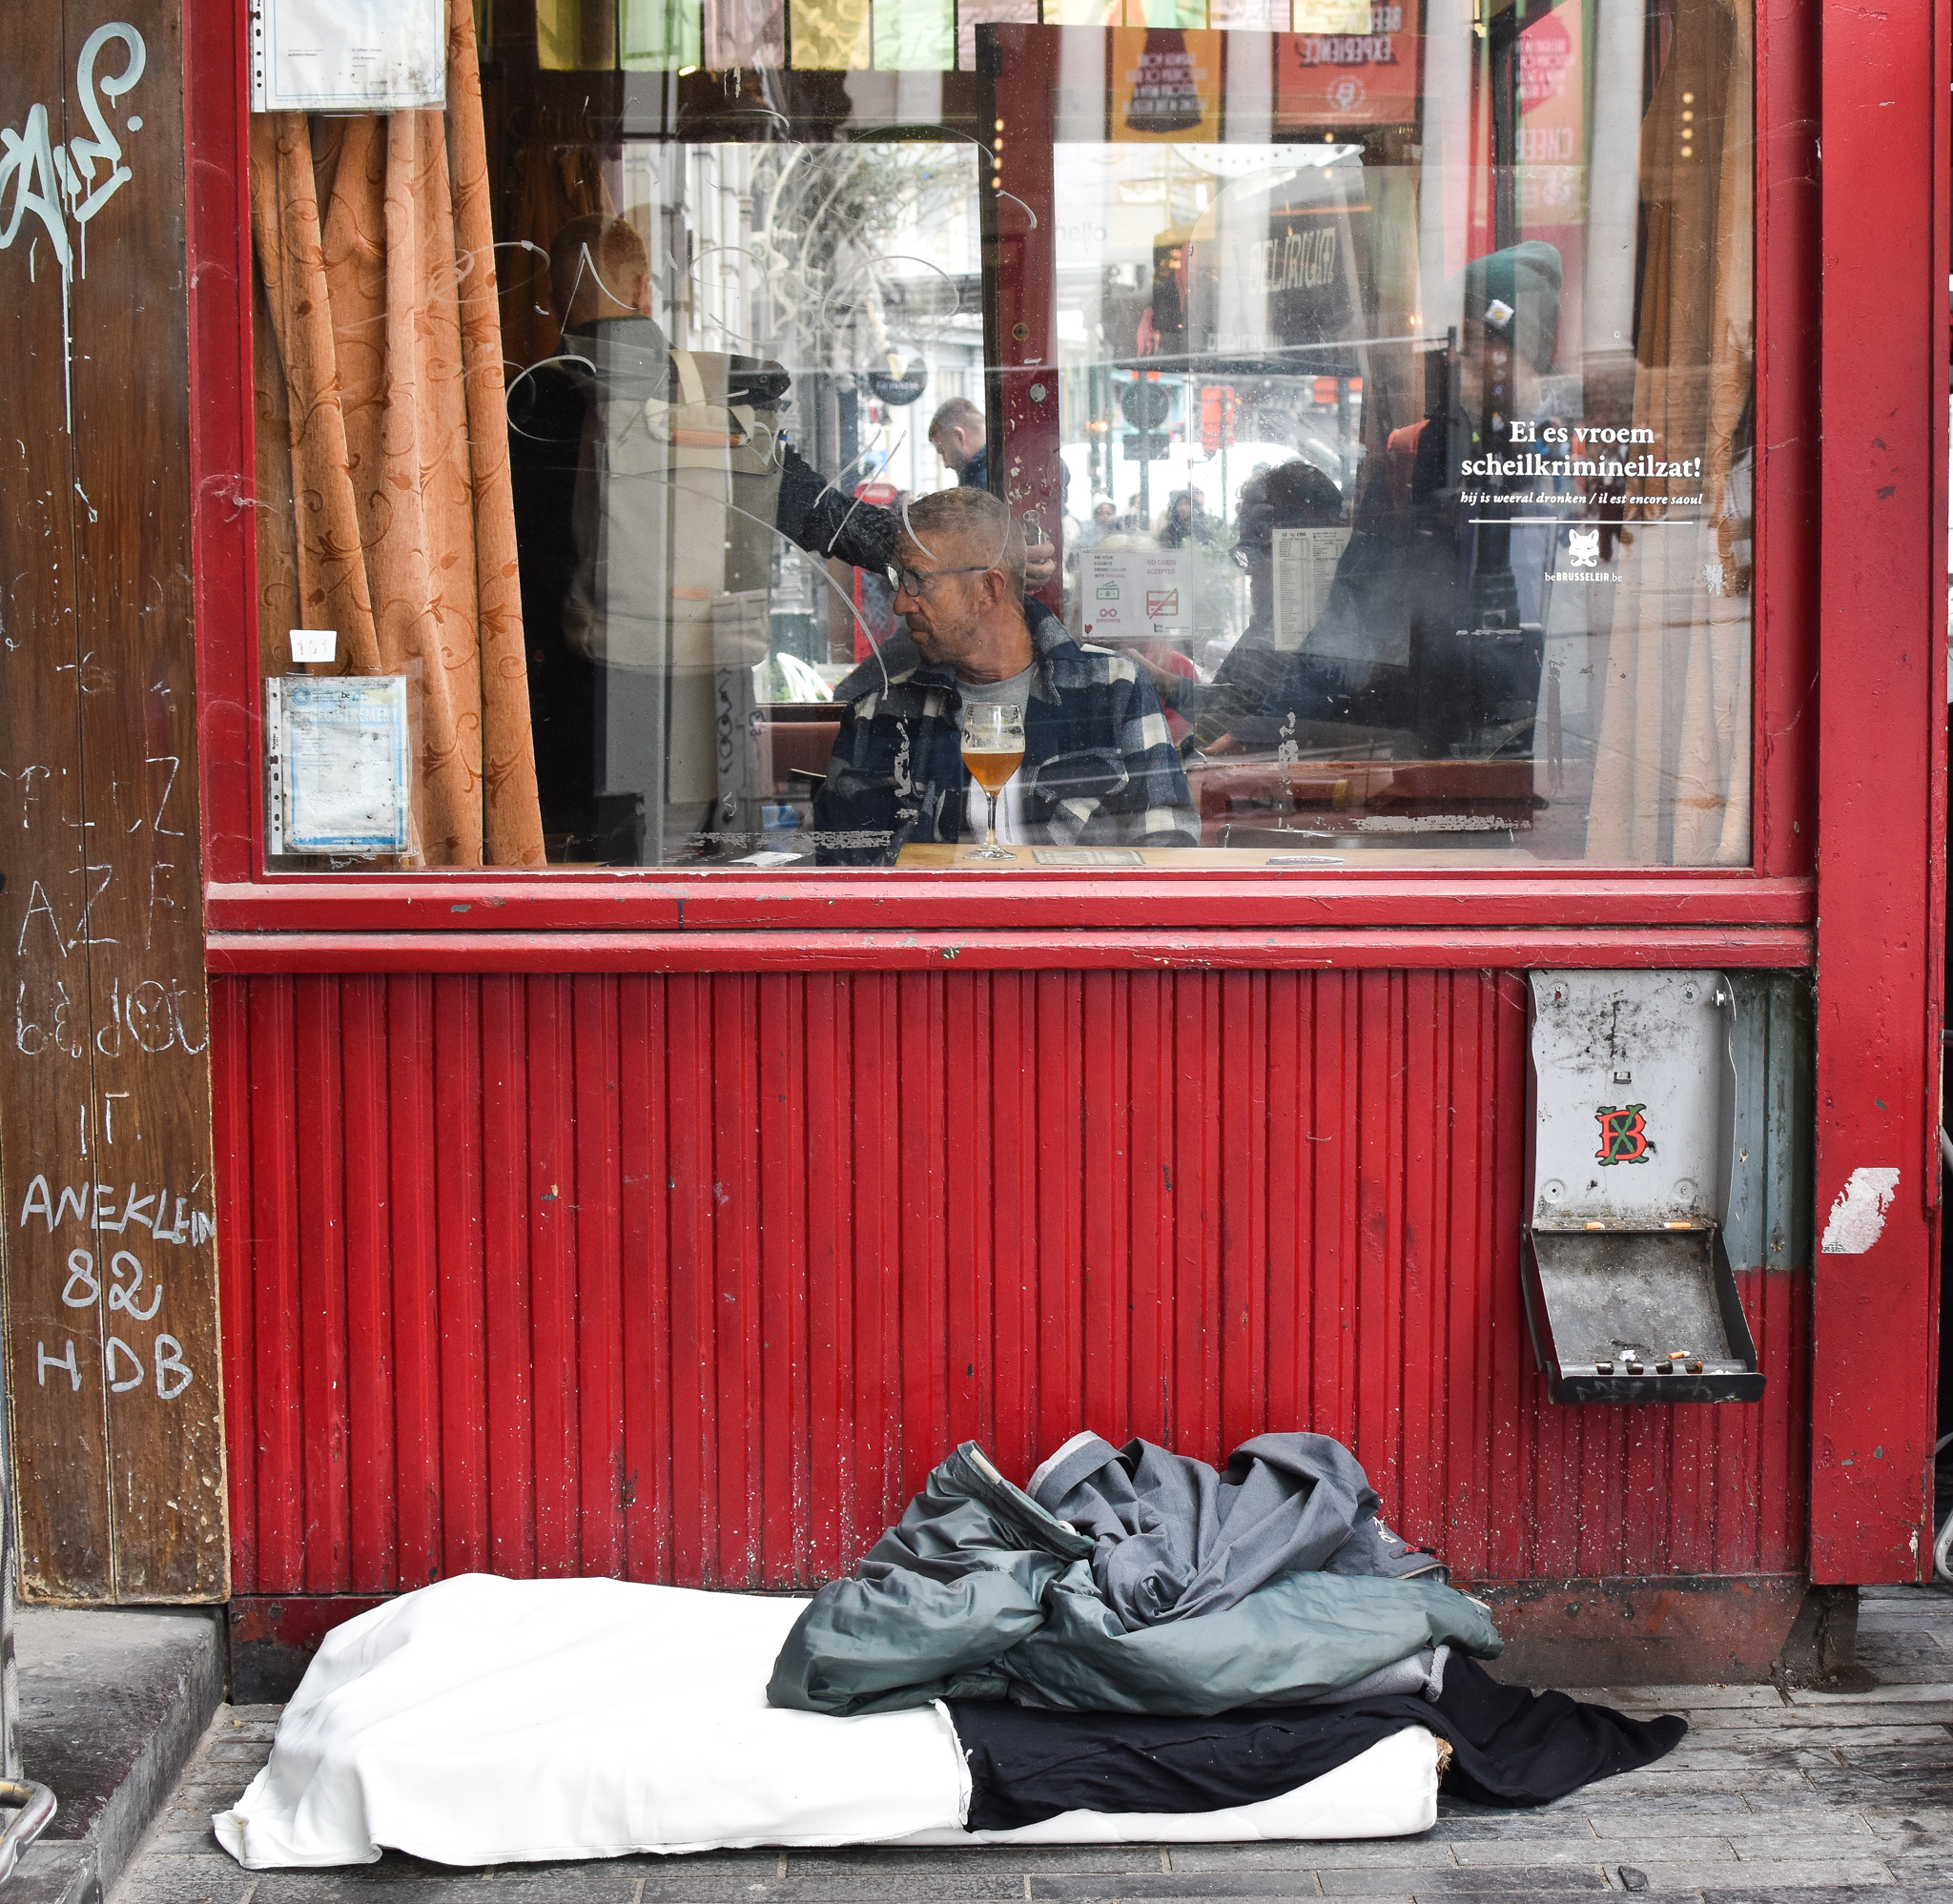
{"points": [[1011, 693]]}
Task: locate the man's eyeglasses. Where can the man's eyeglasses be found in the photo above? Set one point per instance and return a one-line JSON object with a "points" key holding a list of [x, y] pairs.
{"points": [[915, 581]]}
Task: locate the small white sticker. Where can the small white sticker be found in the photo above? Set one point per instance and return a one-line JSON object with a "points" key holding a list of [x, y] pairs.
{"points": [[1858, 1219], [314, 644]]}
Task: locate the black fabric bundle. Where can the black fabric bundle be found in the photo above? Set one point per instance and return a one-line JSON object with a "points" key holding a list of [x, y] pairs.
{"points": [[1509, 1747]]}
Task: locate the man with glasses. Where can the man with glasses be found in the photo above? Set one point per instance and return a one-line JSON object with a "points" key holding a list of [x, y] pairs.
{"points": [[1100, 765]]}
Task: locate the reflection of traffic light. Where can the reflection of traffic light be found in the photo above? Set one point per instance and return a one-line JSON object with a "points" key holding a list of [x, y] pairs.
{"points": [[1217, 416], [1145, 403]]}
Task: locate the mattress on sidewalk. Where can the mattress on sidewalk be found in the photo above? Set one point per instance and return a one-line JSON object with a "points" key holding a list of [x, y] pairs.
{"points": [[485, 1721]]}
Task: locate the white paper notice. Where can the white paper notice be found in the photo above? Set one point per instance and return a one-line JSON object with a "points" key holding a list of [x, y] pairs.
{"points": [[347, 55], [1135, 593], [339, 747], [314, 644], [1304, 567]]}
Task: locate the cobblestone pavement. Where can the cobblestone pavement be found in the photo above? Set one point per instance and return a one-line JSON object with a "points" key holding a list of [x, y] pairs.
{"points": [[1802, 1795]]}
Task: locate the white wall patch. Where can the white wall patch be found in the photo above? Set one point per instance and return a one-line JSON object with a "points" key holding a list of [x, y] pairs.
{"points": [[1858, 1219]]}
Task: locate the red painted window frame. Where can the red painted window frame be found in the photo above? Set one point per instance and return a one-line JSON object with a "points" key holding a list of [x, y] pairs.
{"points": [[663, 920]]}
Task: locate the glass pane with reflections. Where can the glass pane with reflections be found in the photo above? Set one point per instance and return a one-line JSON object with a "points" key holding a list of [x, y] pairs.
{"points": [[1325, 430]]}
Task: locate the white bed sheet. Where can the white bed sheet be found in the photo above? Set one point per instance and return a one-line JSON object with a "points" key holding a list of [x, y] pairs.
{"points": [[483, 1721]]}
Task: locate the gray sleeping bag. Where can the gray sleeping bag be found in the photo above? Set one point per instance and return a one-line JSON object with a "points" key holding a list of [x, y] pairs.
{"points": [[982, 1592]]}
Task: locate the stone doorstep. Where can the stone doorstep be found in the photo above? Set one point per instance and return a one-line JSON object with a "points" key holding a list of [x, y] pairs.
{"points": [[112, 1703]]}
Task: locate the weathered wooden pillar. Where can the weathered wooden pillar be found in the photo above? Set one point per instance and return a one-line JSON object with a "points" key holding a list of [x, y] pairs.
{"points": [[110, 1251]]}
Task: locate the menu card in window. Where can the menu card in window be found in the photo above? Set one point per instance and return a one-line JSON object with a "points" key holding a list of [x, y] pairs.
{"points": [[347, 55], [1304, 567]]}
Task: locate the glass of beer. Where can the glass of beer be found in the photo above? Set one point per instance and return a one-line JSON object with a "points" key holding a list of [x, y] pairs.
{"points": [[993, 751]]}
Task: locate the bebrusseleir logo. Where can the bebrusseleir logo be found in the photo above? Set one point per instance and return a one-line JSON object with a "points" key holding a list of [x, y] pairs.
{"points": [[1623, 1134]]}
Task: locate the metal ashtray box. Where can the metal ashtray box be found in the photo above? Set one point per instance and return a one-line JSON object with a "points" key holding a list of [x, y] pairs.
{"points": [[1630, 1296]]}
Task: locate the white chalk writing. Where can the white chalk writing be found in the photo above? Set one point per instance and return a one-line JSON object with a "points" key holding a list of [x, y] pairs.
{"points": [[146, 1015], [172, 1374], [151, 1212]]}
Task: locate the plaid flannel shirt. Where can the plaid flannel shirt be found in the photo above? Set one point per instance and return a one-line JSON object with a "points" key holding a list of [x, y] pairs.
{"points": [[1100, 765]]}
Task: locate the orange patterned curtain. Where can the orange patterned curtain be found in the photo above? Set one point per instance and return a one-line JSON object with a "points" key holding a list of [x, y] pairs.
{"points": [[390, 519]]}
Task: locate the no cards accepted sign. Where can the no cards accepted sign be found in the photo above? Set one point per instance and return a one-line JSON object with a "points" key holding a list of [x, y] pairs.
{"points": [[1135, 594]]}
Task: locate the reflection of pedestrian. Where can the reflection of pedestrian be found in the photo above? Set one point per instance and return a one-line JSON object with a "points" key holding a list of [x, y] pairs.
{"points": [[957, 432], [1105, 523], [1256, 676], [1186, 521]]}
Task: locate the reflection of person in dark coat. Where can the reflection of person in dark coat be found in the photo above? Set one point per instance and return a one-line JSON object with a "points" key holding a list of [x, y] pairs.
{"points": [[1186, 522], [1256, 675], [1422, 644]]}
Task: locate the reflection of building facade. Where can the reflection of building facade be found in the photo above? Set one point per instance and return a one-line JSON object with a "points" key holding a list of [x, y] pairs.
{"points": [[633, 1195]]}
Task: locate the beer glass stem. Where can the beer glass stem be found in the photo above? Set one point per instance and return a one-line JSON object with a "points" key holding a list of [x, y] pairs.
{"points": [[990, 839]]}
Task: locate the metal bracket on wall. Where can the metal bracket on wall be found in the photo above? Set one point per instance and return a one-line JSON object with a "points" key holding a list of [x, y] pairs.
{"points": [[1630, 1296]]}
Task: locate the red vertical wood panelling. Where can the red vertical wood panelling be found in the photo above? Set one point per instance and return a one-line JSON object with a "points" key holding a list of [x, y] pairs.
{"points": [[695, 1277], [1150, 1328], [457, 1169], [599, 1356], [508, 1186], [323, 1284], [369, 1359], [230, 1120], [552, 1321], [783, 1425], [688, 1085], [826, 1113], [276, 1405], [644, 1263], [414, 1090]]}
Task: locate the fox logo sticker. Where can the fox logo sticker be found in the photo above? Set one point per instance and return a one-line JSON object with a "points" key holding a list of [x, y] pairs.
{"points": [[1584, 545], [1623, 1134]]}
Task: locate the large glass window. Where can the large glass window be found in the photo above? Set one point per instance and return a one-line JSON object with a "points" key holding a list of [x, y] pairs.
{"points": [[1249, 434]]}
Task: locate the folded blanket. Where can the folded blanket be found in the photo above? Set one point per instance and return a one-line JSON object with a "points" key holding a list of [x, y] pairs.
{"points": [[980, 1592]]}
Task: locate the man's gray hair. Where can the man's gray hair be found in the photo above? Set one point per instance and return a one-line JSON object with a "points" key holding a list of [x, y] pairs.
{"points": [[979, 526]]}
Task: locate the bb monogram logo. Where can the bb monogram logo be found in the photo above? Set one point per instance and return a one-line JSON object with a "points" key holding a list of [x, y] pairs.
{"points": [[1623, 1134]]}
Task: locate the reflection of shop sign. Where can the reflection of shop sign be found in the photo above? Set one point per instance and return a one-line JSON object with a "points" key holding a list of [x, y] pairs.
{"points": [[1326, 77], [1545, 53], [1138, 593], [1296, 261], [1551, 134], [1167, 84]]}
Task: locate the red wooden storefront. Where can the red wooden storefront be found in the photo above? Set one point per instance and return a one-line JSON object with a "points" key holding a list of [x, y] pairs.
{"points": [[674, 1225]]}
